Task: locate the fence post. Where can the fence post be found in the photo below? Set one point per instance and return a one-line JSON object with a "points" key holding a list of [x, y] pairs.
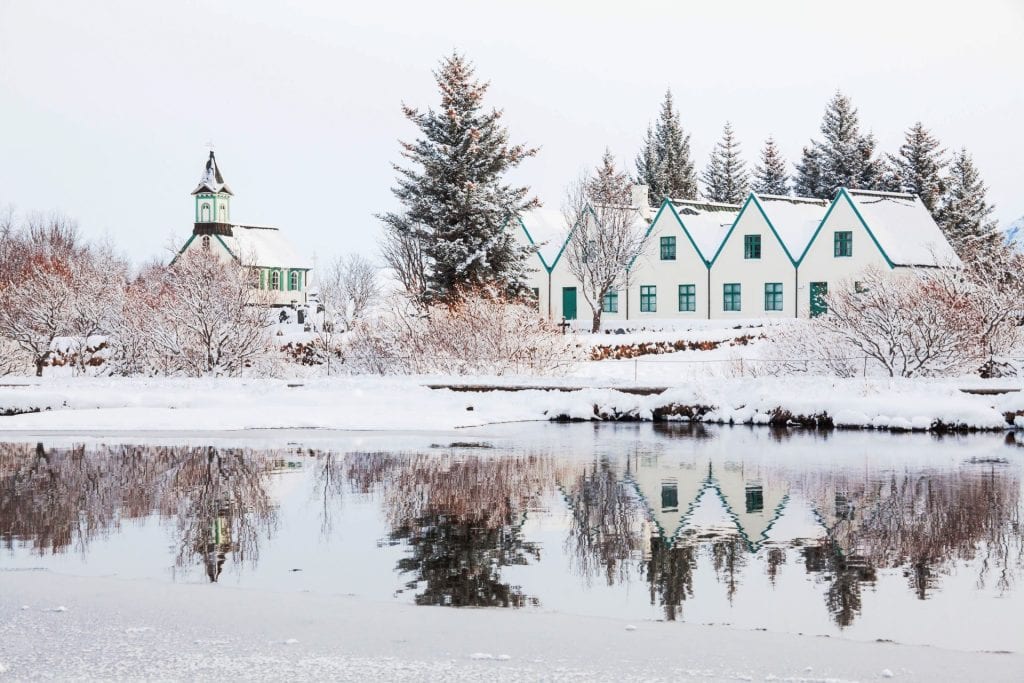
{"points": [[865, 366], [635, 363]]}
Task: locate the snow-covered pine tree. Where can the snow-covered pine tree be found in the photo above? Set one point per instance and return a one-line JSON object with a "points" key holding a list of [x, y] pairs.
{"points": [[456, 203], [964, 213], [609, 186], [725, 177], [845, 158], [919, 164], [664, 163], [770, 176]]}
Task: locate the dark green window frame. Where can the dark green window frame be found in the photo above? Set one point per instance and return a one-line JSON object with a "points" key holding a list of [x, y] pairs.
{"points": [[773, 296], [648, 299], [668, 248], [610, 303], [687, 298], [752, 246], [731, 297], [843, 243]]}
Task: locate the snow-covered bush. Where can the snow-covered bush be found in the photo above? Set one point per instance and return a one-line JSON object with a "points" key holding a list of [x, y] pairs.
{"points": [[929, 322], [347, 288], [481, 332]]}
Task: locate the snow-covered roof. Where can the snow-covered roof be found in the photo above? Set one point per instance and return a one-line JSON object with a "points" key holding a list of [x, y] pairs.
{"points": [[707, 222], [212, 180], [794, 218], [547, 229], [263, 247], [1014, 234], [904, 228]]}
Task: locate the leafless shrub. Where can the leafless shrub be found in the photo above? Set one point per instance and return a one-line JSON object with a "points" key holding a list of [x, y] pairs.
{"points": [[347, 290], [481, 332]]}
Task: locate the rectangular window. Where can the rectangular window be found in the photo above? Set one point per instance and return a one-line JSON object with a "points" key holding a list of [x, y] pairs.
{"points": [[859, 288], [731, 297], [687, 298], [844, 243], [751, 246], [773, 296], [669, 496], [648, 299], [754, 498], [535, 293], [668, 248], [610, 303]]}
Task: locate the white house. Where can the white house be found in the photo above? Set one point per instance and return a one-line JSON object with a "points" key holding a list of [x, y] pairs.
{"points": [[263, 249], [771, 257]]}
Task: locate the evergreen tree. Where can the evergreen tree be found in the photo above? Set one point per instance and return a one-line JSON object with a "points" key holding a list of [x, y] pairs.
{"points": [[844, 158], [964, 212], [918, 166], [609, 186], [456, 203], [770, 175], [664, 163], [725, 177]]}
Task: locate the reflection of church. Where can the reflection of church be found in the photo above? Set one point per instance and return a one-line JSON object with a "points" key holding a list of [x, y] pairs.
{"points": [[218, 544]]}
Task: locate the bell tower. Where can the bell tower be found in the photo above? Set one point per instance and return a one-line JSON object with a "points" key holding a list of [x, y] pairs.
{"points": [[213, 201]]}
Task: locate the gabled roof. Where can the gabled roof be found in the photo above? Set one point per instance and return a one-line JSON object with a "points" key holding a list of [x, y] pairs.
{"points": [[794, 219], [903, 228], [212, 180], [546, 230], [707, 223], [262, 247]]}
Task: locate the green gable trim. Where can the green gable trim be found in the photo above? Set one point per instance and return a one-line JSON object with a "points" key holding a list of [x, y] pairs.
{"points": [[752, 199], [843, 195], [533, 243], [666, 202]]}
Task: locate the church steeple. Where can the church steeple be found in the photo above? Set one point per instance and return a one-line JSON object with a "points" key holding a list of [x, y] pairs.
{"points": [[213, 200]]}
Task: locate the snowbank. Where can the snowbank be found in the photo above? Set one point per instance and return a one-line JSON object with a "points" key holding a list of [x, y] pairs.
{"points": [[406, 403]]}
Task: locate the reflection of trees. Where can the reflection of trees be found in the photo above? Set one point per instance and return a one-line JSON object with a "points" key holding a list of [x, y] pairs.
{"points": [[606, 522], [461, 518], [56, 498], [670, 575]]}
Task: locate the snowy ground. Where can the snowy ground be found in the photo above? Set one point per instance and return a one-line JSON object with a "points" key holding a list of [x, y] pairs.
{"points": [[60, 627], [405, 403]]}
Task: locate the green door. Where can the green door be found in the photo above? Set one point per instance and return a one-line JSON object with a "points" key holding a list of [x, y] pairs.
{"points": [[818, 292], [569, 303]]}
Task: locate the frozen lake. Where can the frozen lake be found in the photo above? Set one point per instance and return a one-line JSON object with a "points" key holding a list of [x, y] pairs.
{"points": [[862, 535]]}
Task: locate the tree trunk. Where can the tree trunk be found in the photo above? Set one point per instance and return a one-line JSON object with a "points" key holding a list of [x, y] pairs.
{"points": [[40, 362], [596, 326]]}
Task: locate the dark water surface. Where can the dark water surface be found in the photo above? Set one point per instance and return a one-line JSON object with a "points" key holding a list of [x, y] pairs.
{"points": [[911, 537]]}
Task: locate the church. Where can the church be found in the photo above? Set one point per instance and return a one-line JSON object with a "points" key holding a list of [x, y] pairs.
{"points": [[261, 248]]}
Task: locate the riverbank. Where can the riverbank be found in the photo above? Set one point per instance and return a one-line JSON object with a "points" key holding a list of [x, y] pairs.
{"points": [[61, 627], [409, 404]]}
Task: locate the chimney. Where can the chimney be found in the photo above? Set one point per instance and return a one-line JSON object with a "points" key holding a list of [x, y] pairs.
{"points": [[639, 199]]}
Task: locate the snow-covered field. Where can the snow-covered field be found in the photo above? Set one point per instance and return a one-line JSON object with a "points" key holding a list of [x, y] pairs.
{"points": [[62, 627], [406, 403]]}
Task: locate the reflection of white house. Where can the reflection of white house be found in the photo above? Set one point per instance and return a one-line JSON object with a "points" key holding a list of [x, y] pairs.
{"points": [[673, 489], [263, 249], [769, 257]]}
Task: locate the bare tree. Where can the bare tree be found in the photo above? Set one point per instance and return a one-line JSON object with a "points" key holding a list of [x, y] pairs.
{"points": [[605, 233], [403, 252], [347, 290]]}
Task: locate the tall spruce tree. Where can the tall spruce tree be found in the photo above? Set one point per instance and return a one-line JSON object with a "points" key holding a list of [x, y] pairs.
{"points": [[964, 213], [918, 166], [725, 177], [844, 158], [456, 202], [770, 176], [664, 163]]}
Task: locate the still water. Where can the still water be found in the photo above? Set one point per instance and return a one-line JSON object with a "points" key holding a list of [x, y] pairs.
{"points": [[911, 538]]}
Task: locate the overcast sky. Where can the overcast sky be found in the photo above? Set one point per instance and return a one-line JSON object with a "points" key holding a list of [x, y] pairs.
{"points": [[106, 107]]}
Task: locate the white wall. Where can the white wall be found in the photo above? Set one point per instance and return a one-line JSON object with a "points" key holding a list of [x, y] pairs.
{"points": [[820, 264], [751, 274], [648, 269]]}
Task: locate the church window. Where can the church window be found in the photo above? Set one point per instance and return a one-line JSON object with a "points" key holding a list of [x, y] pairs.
{"points": [[206, 243], [293, 280], [204, 213], [275, 279]]}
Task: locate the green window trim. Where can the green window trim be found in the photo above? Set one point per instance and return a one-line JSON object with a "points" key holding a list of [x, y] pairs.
{"points": [[610, 302], [648, 299], [668, 248], [687, 298], [731, 297], [843, 244], [773, 296], [751, 246]]}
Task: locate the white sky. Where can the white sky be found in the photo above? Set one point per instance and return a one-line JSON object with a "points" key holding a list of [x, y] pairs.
{"points": [[105, 107]]}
